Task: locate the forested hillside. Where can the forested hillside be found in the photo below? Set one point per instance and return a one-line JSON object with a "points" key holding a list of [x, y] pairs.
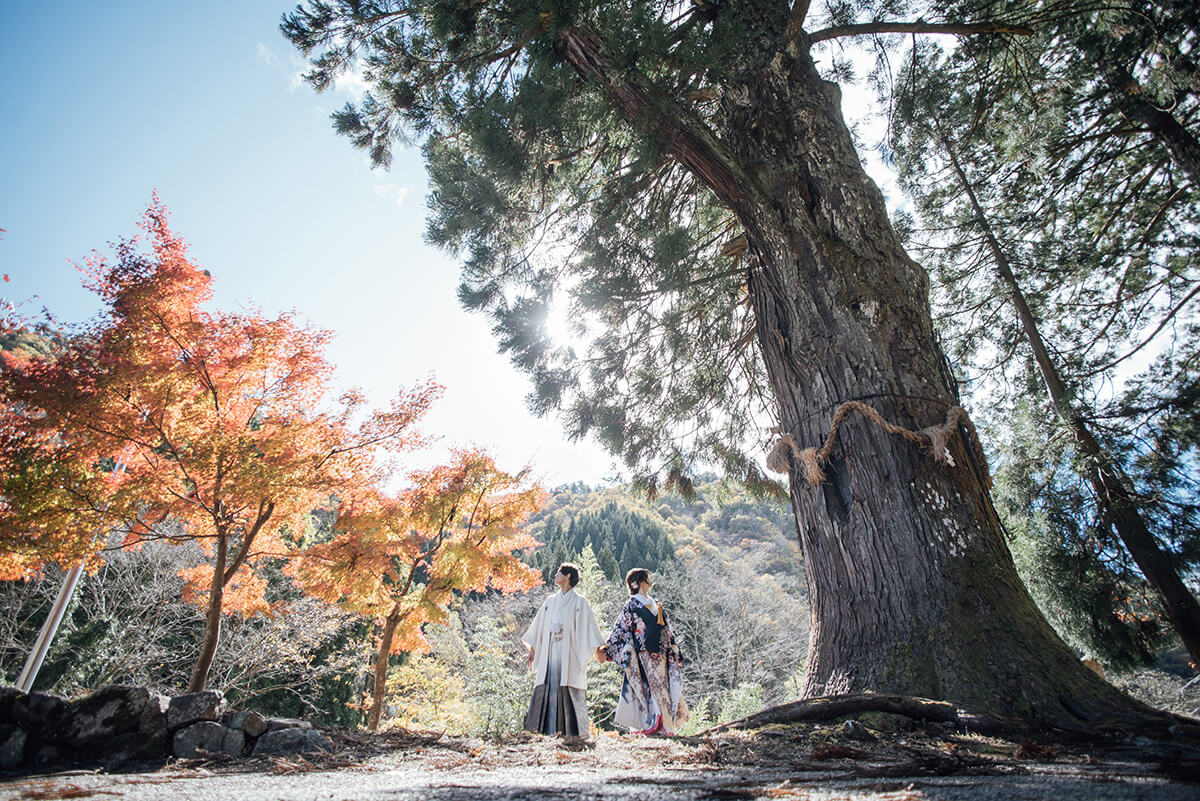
{"points": [[727, 567], [626, 530]]}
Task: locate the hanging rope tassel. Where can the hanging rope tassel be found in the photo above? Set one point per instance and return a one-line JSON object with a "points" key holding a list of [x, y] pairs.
{"points": [[777, 459], [935, 440]]}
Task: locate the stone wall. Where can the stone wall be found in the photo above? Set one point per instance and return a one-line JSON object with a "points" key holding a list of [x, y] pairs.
{"points": [[117, 726]]}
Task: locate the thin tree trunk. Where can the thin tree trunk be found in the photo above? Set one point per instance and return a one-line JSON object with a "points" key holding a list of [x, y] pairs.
{"points": [[381, 667], [1112, 488], [212, 621]]}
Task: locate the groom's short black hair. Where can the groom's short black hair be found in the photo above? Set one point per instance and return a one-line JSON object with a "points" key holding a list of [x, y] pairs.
{"points": [[571, 571]]}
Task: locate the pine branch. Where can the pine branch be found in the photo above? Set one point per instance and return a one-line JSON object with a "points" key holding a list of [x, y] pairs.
{"points": [[1161, 325], [920, 26], [688, 139]]}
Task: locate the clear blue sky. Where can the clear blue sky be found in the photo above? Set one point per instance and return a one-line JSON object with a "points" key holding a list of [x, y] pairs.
{"points": [[102, 103]]}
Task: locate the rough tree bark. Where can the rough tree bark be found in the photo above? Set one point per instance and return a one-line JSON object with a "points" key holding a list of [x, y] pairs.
{"points": [[1113, 489], [912, 588]]}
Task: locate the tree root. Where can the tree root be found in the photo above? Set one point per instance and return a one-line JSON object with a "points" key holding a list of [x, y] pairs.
{"points": [[837, 706], [1152, 724]]}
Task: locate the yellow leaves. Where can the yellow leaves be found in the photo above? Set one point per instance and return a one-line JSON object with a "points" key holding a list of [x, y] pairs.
{"points": [[427, 694], [15, 567]]}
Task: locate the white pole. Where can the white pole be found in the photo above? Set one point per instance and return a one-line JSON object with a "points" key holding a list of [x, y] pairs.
{"points": [[34, 663]]}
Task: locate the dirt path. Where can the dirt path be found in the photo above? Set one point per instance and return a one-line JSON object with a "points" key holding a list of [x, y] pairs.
{"points": [[792, 763]]}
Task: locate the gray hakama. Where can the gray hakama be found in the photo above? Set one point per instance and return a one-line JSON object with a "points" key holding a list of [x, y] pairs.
{"points": [[556, 709]]}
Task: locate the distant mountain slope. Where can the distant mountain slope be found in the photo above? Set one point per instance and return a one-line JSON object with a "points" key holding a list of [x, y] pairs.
{"points": [[31, 343], [727, 566], [625, 530]]}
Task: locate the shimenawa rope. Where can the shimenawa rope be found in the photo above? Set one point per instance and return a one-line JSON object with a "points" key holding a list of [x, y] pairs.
{"points": [[934, 438]]}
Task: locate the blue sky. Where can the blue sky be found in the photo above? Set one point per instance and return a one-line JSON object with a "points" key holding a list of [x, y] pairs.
{"points": [[103, 103]]}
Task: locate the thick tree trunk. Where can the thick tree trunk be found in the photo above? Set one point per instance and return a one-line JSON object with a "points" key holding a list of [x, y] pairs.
{"points": [[212, 620], [381, 668], [912, 587], [1114, 496]]}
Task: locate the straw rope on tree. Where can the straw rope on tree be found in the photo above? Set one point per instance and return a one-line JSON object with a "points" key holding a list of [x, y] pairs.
{"points": [[934, 439]]}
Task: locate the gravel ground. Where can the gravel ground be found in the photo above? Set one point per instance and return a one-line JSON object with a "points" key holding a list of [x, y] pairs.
{"points": [[809, 762], [383, 782]]}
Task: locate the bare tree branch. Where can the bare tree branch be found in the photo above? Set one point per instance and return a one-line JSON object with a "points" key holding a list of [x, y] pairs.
{"points": [[920, 26]]}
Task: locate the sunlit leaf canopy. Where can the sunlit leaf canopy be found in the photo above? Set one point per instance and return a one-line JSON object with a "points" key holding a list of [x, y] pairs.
{"points": [[457, 528], [557, 205], [165, 420], [1101, 227], [554, 201]]}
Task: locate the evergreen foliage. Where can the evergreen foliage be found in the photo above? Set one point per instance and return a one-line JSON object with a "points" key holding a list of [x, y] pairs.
{"points": [[554, 201], [606, 596], [740, 701], [499, 695], [723, 522], [1097, 601], [1036, 163], [619, 538]]}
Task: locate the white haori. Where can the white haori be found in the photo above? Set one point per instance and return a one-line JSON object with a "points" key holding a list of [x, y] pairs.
{"points": [[566, 624]]}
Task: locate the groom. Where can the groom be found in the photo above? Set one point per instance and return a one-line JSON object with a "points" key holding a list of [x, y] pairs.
{"points": [[561, 639]]}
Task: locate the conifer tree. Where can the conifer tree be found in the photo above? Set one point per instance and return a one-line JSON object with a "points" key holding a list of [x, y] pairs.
{"points": [[1086, 244], [618, 538], [680, 178]]}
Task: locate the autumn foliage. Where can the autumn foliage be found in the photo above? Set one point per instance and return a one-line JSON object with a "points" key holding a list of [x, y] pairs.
{"points": [[400, 559], [165, 420]]}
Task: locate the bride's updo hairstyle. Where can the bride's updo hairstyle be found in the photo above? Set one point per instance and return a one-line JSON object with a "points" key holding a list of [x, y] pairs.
{"points": [[635, 577]]}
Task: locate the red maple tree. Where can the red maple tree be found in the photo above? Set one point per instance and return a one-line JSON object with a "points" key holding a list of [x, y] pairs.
{"points": [[164, 420]]}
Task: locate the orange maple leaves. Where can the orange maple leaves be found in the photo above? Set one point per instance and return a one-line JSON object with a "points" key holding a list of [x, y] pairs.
{"points": [[165, 420], [457, 528], [218, 422]]}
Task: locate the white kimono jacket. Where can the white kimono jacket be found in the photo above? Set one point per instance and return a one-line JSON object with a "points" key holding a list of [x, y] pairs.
{"points": [[580, 637]]}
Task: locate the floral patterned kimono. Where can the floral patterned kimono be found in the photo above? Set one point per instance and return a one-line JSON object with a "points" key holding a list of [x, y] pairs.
{"points": [[642, 645]]}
